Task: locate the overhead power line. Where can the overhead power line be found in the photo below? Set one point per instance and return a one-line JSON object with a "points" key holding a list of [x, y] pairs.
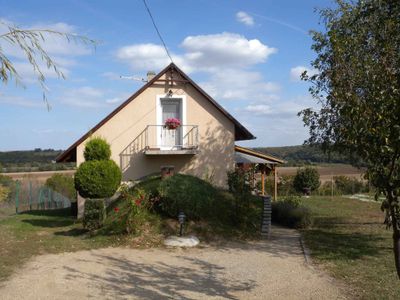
{"points": [[158, 32]]}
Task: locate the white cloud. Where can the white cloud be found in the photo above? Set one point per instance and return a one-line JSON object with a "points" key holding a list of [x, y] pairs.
{"points": [[62, 51], [53, 44], [28, 74], [85, 96], [259, 109], [295, 73], [236, 84], [111, 75], [114, 100], [202, 53], [279, 108], [21, 101], [211, 52], [226, 57], [143, 56], [244, 18], [276, 123], [91, 97]]}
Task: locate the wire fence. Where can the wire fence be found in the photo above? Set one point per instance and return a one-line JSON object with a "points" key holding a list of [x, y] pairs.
{"points": [[22, 196]]}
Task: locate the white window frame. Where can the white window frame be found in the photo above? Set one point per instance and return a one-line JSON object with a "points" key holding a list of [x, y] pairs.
{"points": [[159, 114]]}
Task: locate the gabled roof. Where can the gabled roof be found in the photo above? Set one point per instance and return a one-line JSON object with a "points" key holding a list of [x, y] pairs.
{"points": [[251, 152], [241, 133]]}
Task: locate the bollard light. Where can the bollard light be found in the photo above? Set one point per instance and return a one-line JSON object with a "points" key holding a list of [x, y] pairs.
{"points": [[181, 220]]}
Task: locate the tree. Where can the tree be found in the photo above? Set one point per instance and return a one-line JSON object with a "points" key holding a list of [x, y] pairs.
{"points": [[31, 42], [306, 179], [357, 86], [97, 178]]}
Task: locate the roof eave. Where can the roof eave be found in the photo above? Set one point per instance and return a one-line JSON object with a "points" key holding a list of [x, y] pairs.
{"points": [[258, 154]]}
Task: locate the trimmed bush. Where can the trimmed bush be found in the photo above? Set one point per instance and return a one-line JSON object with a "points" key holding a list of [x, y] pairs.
{"points": [[95, 213], [97, 149], [306, 178], [97, 179], [289, 212], [189, 194], [62, 184]]}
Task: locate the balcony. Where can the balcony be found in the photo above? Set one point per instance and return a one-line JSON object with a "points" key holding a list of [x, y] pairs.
{"points": [[163, 141]]}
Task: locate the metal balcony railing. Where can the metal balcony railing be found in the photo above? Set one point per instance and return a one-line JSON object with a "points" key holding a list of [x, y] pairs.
{"points": [[162, 138]]}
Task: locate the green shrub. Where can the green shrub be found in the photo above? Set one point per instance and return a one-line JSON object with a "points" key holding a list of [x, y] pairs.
{"points": [[97, 149], [6, 180], [186, 193], [97, 178], [348, 186], [285, 185], [268, 185], [294, 201], [239, 181], [7, 188], [62, 184], [289, 212], [306, 178], [94, 215], [326, 189]]}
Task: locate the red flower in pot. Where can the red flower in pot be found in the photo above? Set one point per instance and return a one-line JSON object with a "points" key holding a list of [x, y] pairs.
{"points": [[172, 123]]}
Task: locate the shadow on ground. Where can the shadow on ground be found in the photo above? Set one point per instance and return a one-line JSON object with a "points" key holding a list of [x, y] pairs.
{"points": [[282, 243], [160, 280], [49, 218], [330, 245]]}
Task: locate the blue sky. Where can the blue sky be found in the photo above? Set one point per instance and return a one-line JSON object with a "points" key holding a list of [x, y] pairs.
{"points": [[247, 54]]}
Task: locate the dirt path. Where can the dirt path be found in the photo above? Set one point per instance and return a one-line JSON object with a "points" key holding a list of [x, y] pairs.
{"points": [[273, 269]]}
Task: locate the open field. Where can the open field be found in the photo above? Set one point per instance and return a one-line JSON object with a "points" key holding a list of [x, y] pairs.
{"points": [[37, 176], [350, 241], [327, 171]]}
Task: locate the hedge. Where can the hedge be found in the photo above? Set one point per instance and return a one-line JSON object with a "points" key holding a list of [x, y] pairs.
{"points": [[95, 213]]}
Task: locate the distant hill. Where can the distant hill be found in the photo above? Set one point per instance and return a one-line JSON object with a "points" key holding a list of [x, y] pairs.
{"points": [[41, 159], [29, 156], [302, 154], [31, 160]]}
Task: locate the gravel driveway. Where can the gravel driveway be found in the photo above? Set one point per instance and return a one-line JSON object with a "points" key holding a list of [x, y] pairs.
{"points": [[272, 269]]}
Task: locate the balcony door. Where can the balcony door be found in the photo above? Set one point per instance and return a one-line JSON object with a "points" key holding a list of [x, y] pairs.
{"points": [[171, 138]]}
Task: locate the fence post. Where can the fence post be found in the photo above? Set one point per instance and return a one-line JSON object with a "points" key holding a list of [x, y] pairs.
{"points": [[48, 198], [38, 200], [17, 187], [30, 195]]}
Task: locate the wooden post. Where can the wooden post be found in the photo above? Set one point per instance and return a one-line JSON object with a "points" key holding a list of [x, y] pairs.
{"points": [[275, 184], [262, 183]]}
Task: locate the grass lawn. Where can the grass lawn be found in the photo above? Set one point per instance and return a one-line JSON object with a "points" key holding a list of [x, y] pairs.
{"points": [[349, 240], [26, 235]]}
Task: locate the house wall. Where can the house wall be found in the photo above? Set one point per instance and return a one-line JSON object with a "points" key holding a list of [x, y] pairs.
{"points": [[124, 131]]}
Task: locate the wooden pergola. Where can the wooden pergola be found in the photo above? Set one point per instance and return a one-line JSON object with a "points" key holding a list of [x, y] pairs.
{"points": [[263, 163]]}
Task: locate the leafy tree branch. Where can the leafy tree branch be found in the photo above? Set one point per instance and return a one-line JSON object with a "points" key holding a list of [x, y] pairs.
{"points": [[32, 44]]}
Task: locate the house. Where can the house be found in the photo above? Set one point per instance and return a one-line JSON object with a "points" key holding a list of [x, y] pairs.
{"points": [[141, 144]]}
